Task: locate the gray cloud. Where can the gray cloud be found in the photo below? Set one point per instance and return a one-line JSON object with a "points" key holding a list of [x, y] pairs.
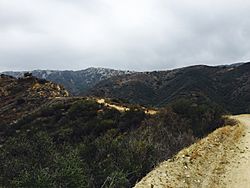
{"points": [[131, 34]]}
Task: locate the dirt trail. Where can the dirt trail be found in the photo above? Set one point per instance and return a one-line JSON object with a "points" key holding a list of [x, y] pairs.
{"points": [[238, 172], [119, 108], [123, 108], [221, 160]]}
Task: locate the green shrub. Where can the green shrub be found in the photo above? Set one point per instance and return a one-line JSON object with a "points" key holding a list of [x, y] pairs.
{"points": [[84, 144]]}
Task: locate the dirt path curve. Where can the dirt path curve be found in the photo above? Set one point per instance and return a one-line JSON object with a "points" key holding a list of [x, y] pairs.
{"points": [[220, 160], [123, 108], [238, 171]]}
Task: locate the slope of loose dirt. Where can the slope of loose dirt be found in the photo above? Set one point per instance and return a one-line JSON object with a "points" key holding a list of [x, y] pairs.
{"points": [[219, 160]]}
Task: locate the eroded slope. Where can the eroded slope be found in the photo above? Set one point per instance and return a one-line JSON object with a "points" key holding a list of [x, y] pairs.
{"points": [[219, 160]]}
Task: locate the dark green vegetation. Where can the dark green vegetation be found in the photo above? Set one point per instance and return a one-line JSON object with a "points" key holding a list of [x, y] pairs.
{"points": [[227, 86], [76, 142], [83, 144]]}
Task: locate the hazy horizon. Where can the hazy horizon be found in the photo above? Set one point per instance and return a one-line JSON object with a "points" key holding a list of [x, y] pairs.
{"points": [[118, 69]]}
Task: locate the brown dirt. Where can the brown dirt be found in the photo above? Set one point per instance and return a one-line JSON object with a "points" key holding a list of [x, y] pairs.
{"points": [[238, 172], [219, 160], [123, 108]]}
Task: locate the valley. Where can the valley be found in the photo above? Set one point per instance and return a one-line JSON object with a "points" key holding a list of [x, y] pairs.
{"points": [[170, 125]]}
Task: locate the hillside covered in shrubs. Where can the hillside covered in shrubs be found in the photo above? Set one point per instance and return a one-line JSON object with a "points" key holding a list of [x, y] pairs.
{"points": [[227, 86], [76, 142]]}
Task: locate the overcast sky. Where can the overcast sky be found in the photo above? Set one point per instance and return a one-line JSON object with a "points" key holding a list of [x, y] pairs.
{"points": [[122, 34]]}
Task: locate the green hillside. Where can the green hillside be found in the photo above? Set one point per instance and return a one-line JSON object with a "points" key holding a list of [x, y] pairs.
{"points": [[76, 142]]}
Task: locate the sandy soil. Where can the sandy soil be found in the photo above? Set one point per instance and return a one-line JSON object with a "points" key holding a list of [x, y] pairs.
{"points": [[222, 159], [238, 171]]}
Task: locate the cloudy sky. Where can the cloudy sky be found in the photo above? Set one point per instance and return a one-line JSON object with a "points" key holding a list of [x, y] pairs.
{"points": [[122, 34]]}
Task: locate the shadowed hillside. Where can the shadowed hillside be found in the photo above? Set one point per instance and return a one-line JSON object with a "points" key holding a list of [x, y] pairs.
{"points": [[228, 86]]}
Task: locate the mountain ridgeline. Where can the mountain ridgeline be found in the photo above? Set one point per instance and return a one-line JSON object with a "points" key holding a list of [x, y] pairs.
{"points": [[226, 86], [75, 82]]}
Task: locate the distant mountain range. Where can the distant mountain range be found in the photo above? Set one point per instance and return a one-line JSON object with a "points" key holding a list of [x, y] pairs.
{"points": [[225, 85], [75, 82]]}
